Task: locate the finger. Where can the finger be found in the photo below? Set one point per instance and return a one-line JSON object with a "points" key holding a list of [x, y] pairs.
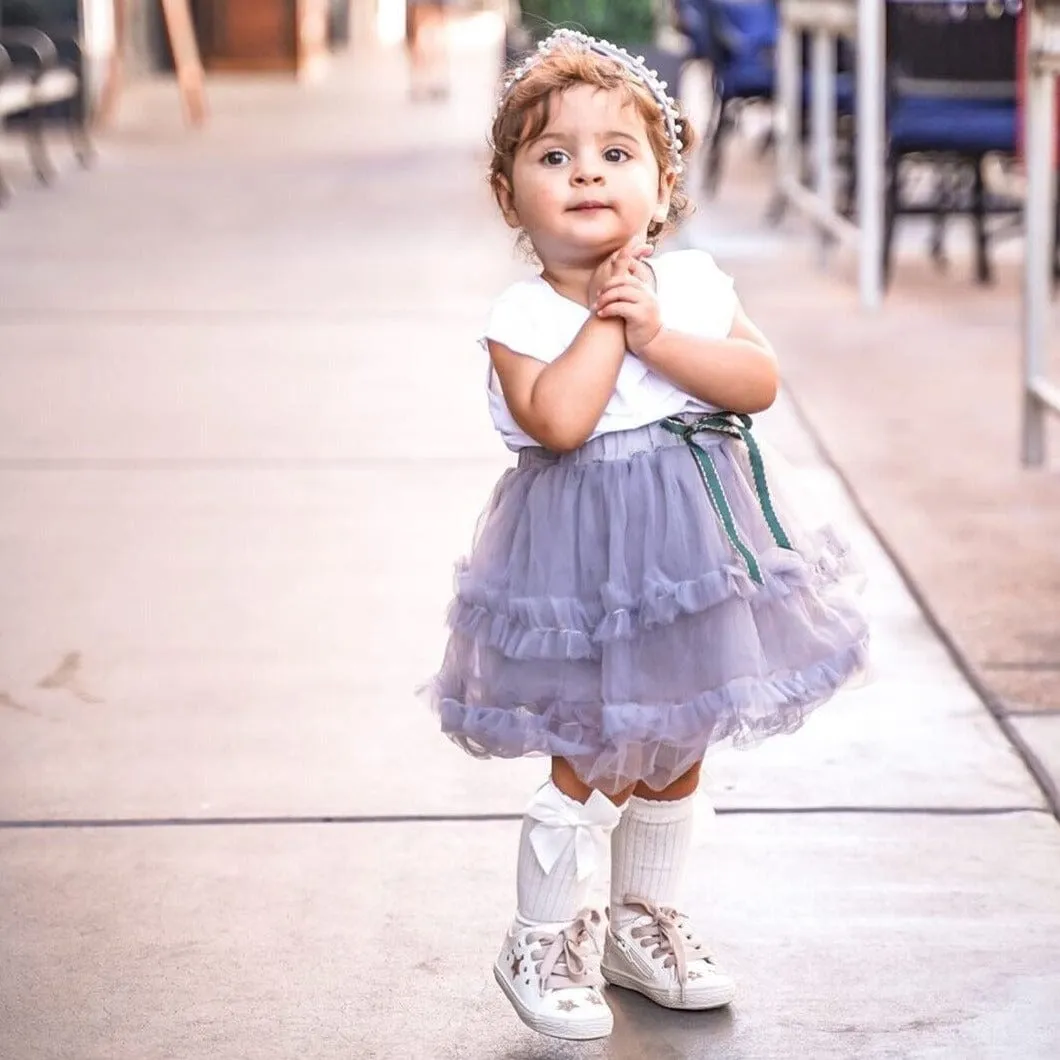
{"points": [[624, 292], [642, 272], [620, 282], [623, 278], [645, 250], [631, 312]]}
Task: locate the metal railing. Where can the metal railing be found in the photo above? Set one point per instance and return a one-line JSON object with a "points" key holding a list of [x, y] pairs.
{"points": [[1040, 396], [862, 22]]}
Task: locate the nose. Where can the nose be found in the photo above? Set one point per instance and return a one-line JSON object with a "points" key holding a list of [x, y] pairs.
{"points": [[585, 179], [587, 172]]}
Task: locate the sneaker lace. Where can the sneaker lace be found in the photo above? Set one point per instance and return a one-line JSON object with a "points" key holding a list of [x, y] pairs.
{"points": [[566, 958], [668, 933]]}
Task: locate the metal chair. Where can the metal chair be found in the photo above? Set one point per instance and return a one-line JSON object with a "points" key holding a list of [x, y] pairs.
{"points": [[43, 46], [951, 103], [737, 39]]}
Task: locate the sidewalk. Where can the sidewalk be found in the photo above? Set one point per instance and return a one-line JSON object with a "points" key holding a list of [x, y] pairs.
{"points": [[918, 407], [229, 829]]}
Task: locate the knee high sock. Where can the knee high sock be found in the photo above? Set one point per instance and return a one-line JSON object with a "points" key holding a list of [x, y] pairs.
{"points": [[563, 844], [649, 852]]}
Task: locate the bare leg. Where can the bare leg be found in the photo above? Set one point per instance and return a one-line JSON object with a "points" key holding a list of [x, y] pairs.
{"points": [[564, 777], [681, 788]]}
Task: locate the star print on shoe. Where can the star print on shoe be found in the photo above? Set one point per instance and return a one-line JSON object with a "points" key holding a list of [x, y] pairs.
{"points": [[657, 953], [551, 975]]}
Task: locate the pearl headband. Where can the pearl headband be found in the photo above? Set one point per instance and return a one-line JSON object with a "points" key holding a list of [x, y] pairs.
{"points": [[577, 41]]}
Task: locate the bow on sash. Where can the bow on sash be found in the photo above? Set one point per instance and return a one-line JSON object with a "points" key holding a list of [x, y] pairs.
{"points": [[561, 822]]}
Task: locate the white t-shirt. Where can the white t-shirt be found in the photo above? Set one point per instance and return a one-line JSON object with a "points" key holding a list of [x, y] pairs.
{"points": [[530, 318]]}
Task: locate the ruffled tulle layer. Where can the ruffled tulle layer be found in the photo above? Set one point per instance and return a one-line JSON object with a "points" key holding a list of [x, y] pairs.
{"points": [[604, 616]]}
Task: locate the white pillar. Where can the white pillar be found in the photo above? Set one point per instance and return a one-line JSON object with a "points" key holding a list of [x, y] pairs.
{"points": [[789, 102], [823, 58], [97, 26], [871, 134], [1040, 126], [390, 21]]}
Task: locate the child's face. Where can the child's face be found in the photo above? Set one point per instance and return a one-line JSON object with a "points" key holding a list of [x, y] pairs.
{"points": [[590, 183]]}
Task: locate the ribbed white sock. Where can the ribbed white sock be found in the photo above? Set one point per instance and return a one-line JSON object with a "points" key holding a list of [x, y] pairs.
{"points": [[649, 851], [556, 894]]}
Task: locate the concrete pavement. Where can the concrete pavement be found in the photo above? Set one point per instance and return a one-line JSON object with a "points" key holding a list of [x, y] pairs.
{"points": [[244, 437], [918, 407]]}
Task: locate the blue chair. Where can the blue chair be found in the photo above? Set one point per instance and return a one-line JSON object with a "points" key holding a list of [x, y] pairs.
{"points": [[737, 38], [951, 104]]}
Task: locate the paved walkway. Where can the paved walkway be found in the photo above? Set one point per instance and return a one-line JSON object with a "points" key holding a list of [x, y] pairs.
{"points": [[918, 407], [229, 830]]}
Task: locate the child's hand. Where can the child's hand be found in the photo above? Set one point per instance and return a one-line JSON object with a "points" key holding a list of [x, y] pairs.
{"points": [[621, 263], [630, 296]]}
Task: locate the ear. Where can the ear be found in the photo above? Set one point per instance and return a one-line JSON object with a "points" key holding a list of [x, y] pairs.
{"points": [[502, 188], [667, 180]]}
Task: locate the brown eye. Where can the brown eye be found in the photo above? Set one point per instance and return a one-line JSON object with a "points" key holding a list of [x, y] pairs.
{"points": [[554, 158], [616, 154]]}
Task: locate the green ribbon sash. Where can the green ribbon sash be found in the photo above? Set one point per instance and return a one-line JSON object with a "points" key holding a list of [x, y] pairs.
{"points": [[735, 425]]}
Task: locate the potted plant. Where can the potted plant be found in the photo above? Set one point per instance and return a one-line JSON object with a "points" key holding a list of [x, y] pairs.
{"points": [[627, 23], [631, 24]]}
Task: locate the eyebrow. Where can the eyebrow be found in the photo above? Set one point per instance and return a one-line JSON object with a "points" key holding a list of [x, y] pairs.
{"points": [[611, 134]]}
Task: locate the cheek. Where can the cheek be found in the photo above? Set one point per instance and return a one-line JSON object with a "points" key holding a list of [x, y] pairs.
{"points": [[538, 195]]}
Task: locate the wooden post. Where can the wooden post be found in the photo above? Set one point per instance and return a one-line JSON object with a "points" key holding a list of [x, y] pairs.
{"points": [[186, 59], [112, 87], [190, 79]]}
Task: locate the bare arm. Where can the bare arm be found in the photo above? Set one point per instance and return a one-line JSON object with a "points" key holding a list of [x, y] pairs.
{"points": [[559, 404], [738, 373]]}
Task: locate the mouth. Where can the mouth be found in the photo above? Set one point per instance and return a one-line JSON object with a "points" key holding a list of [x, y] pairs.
{"points": [[590, 206]]}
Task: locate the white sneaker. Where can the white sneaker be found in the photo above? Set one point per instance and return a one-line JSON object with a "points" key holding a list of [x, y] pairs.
{"points": [[658, 954], [551, 974]]}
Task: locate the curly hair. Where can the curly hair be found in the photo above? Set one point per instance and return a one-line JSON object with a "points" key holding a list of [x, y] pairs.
{"points": [[527, 109]]}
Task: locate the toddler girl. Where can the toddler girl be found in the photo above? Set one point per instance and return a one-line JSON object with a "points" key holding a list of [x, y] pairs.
{"points": [[638, 589]]}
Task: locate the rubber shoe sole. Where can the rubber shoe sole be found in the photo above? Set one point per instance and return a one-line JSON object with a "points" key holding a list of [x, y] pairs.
{"points": [[718, 996], [580, 1031]]}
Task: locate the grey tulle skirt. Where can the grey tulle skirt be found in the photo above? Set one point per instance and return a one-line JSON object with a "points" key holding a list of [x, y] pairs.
{"points": [[605, 616]]}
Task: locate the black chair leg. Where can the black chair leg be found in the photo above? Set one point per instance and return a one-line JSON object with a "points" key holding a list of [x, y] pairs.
{"points": [[777, 208], [1056, 242], [712, 167], [944, 196], [84, 149], [38, 151], [848, 195], [890, 215], [983, 271]]}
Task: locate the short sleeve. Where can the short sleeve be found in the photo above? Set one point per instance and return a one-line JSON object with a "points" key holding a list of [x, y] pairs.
{"points": [[507, 323], [695, 296], [530, 319]]}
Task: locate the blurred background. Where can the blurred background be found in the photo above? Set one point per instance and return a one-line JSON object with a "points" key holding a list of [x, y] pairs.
{"points": [[246, 248]]}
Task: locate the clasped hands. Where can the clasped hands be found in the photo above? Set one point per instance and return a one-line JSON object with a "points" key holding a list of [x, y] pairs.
{"points": [[623, 287]]}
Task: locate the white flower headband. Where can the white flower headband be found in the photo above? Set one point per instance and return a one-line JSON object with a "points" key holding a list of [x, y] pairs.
{"points": [[571, 38]]}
